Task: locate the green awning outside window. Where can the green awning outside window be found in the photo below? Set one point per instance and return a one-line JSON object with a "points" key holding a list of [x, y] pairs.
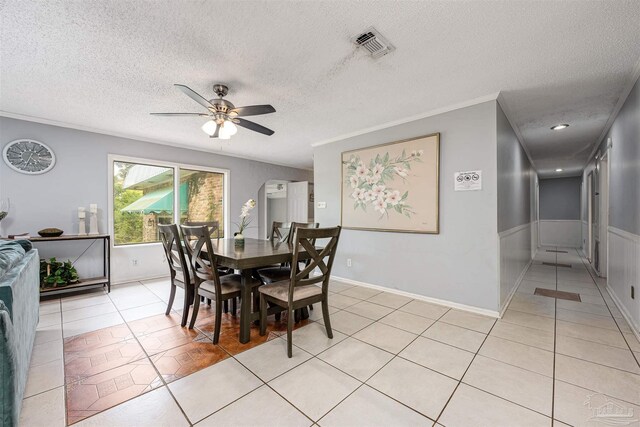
{"points": [[159, 201]]}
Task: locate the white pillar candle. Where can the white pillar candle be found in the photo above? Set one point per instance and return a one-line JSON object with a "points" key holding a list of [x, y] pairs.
{"points": [[93, 207], [80, 212]]}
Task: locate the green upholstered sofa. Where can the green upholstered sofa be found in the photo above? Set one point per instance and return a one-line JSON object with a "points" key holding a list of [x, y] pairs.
{"points": [[19, 308]]}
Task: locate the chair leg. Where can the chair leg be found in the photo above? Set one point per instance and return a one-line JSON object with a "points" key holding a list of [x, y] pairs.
{"points": [[290, 333], [225, 306], [194, 315], [325, 316], [263, 315], [234, 306], [209, 301], [310, 306], [172, 296], [216, 331], [185, 307]]}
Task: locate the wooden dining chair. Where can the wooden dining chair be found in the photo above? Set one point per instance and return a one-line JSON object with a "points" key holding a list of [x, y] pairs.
{"points": [[178, 267], [208, 283], [214, 230], [301, 289], [280, 231], [282, 272]]}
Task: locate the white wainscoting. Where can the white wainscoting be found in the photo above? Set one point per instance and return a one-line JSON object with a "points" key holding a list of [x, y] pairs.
{"points": [[515, 257], [565, 233], [623, 272], [584, 237]]}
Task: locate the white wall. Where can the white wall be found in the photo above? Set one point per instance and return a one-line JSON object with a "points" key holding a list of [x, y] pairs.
{"points": [[460, 264], [80, 177]]}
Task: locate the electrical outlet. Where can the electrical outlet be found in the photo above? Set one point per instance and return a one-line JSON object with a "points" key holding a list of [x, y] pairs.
{"points": [[633, 292], [134, 262], [348, 262]]}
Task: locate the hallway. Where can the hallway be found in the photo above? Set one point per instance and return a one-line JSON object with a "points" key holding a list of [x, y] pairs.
{"points": [[594, 350]]}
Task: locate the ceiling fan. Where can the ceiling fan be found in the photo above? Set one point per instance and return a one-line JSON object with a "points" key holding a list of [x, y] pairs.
{"points": [[224, 116]]}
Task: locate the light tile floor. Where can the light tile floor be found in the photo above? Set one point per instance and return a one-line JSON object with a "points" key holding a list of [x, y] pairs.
{"points": [[393, 361]]}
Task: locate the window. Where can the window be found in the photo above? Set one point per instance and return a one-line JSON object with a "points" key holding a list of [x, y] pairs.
{"points": [[147, 194]]}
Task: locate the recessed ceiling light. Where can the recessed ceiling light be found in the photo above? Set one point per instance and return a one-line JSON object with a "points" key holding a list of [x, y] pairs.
{"points": [[559, 170], [560, 126]]}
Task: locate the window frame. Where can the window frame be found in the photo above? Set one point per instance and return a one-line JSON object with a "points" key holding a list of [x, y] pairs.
{"points": [[226, 197]]}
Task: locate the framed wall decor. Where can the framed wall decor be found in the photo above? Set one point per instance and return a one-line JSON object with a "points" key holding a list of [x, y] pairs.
{"points": [[393, 187]]}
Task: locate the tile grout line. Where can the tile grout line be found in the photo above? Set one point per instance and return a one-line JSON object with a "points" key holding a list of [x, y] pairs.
{"points": [[382, 367], [555, 345], [609, 309]]}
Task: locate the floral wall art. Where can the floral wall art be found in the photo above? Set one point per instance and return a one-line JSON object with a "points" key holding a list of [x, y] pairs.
{"points": [[392, 187]]}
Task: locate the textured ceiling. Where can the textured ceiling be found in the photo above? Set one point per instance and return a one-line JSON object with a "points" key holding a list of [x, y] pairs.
{"points": [[104, 65]]}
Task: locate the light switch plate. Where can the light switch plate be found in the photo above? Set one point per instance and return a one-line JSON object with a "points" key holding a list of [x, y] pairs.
{"points": [[322, 205]]}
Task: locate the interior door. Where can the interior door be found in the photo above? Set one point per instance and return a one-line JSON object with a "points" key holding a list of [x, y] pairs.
{"points": [[590, 217], [604, 214], [298, 201]]}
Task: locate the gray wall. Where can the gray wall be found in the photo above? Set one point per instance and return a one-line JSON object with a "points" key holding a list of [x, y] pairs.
{"points": [[460, 263], [624, 163], [80, 177], [560, 198], [514, 177]]}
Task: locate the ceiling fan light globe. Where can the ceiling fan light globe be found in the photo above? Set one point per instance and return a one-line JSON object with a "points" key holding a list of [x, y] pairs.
{"points": [[209, 127], [229, 128], [223, 135]]}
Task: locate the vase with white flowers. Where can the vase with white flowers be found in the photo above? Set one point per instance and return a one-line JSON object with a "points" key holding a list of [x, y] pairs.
{"points": [[245, 220]]}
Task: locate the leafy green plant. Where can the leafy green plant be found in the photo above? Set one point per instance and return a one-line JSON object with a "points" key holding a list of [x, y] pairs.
{"points": [[54, 273]]}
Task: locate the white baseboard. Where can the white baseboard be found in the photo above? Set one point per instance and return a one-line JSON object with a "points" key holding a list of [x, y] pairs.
{"points": [[515, 288], [122, 282], [451, 304]]}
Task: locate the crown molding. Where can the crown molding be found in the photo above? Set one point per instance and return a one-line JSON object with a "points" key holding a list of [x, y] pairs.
{"points": [[469, 103], [169, 143]]}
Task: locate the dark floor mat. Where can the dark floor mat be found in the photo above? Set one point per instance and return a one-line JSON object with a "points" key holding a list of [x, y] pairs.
{"points": [[556, 264], [570, 296]]}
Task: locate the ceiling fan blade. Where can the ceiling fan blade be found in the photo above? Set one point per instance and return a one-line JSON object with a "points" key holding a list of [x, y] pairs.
{"points": [[253, 110], [253, 126], [179, 114], [194, 95]]}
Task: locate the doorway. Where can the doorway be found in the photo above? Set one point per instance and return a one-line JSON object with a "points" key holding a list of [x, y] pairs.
{"points": [[603, 208], [273, 205]]}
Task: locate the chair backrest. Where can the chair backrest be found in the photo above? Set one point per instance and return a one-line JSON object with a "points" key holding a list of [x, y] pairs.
{"points": [[295, 225], [280, 231], [213, 226], [322, 259], [197, 241], [172, 246]]}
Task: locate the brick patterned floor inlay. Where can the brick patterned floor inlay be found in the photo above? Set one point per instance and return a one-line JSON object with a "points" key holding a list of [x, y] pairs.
{"points": [[96, 339], [110, 388], [149, 325], [167, 339], [82, 364], [107, 367], [187, 359]]}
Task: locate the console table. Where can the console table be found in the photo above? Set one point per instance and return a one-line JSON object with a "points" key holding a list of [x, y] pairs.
{"points": [[92, 282]]}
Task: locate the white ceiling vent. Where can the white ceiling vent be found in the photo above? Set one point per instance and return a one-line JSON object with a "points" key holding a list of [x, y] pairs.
{"points": [[374, 42]]}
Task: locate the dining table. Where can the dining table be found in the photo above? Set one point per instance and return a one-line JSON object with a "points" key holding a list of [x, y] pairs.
{"points": [[253, 254]]}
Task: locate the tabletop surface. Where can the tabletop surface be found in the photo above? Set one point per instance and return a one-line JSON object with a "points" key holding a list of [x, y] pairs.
{"points": [[254, 253]]}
